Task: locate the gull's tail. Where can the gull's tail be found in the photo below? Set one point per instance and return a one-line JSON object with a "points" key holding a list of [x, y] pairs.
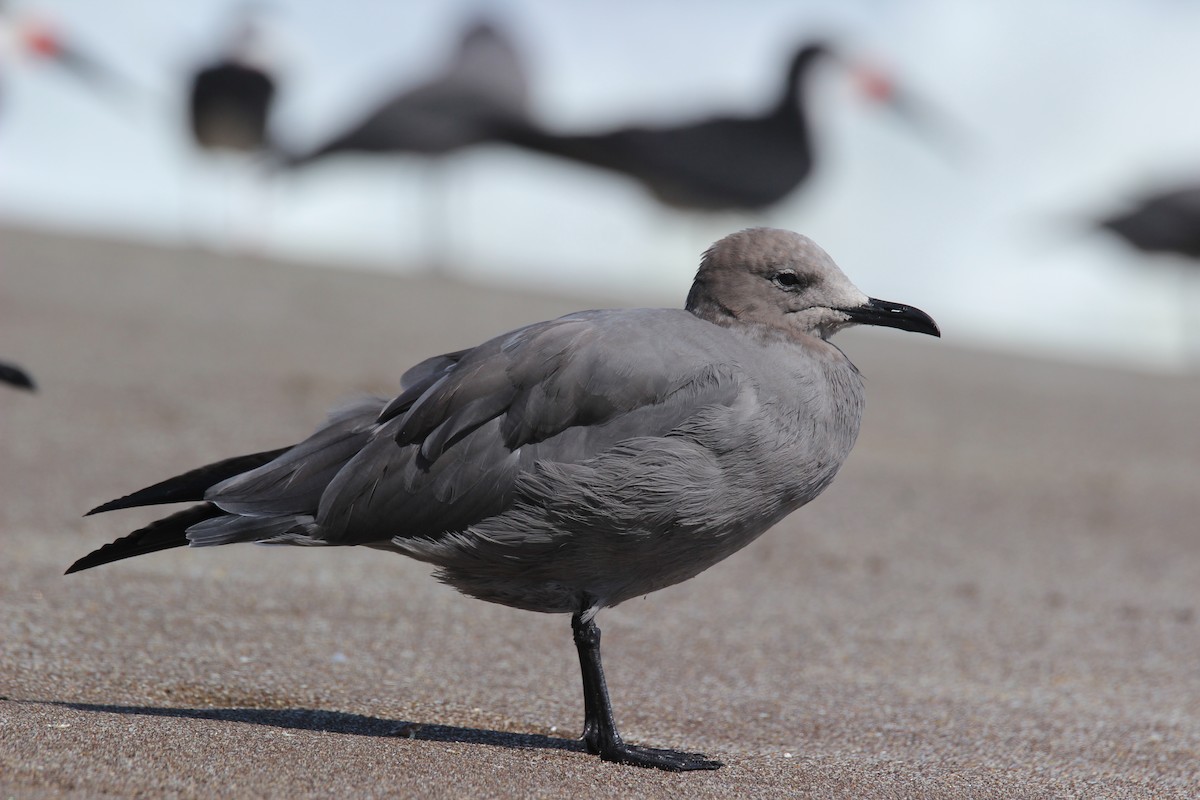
{"points": [[269, 497], [190, 486], [170, 531], [164, 534]]}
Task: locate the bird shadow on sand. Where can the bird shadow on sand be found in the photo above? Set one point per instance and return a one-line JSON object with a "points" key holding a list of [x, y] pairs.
{"points": [[307, 719]]}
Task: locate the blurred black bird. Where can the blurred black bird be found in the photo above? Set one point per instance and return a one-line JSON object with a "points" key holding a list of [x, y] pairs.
{"points": [[721, 163], [1165, 222], [230, 100], [14, 375]]}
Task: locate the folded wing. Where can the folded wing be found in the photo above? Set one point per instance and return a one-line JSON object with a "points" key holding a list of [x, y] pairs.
{"points": [[447, 452]]}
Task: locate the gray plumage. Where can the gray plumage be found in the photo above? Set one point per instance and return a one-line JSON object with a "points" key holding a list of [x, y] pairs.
{"points": [[481, 90], [576, 463]]}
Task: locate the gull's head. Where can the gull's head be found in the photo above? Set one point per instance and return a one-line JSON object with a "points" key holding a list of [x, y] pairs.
{"points": [[780, 279]]}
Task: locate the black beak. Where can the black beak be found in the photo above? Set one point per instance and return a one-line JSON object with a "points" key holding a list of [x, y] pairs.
{"points": [[893, 315]]}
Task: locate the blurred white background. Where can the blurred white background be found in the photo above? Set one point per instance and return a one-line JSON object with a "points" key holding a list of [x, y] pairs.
{"points": [[1056, 113]]}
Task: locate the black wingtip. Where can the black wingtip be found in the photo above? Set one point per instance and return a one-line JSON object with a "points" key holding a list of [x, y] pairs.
{"points": [[103, 555], [163, 534], [113, 505], [96, 558], [190, 486]]}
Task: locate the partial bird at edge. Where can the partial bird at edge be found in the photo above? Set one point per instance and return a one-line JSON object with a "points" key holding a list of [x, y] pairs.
{"points": [[15, 376], [1164, 221]]}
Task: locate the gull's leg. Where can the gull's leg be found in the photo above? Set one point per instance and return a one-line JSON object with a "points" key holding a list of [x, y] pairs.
{"points": [[599, 728]]}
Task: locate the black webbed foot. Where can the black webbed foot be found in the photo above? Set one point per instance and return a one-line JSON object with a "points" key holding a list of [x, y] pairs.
{"points": [[670, 760]]}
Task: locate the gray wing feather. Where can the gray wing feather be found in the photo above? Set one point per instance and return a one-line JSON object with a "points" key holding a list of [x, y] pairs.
{"points": [[229, 529], [541, 379], [449, 451], [466, 419], [417, 380], [294, 481], [388, 491]]}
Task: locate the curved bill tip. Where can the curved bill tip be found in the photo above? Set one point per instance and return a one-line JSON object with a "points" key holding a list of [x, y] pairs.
{"points": [[893, 315]]}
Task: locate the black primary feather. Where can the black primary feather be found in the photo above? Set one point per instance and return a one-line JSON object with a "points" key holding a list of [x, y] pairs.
{"points": [[162, 534], [190, 486]]}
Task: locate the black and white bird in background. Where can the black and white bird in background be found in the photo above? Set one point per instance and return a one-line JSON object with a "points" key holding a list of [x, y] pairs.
{"points": [[727, 162], [230, 103], [479, 90], [230, 99]]}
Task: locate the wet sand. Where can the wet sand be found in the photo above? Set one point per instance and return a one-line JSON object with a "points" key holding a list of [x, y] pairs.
{"points": [[997, 597]]}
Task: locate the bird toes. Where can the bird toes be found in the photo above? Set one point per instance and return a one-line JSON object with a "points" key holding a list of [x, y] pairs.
{"points": [[671, 760]]}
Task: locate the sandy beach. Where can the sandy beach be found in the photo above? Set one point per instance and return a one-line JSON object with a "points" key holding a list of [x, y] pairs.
{"points": [[998, 597]]}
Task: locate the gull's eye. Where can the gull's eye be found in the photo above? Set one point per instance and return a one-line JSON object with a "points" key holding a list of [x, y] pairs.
{"points": [[787, 279]]}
